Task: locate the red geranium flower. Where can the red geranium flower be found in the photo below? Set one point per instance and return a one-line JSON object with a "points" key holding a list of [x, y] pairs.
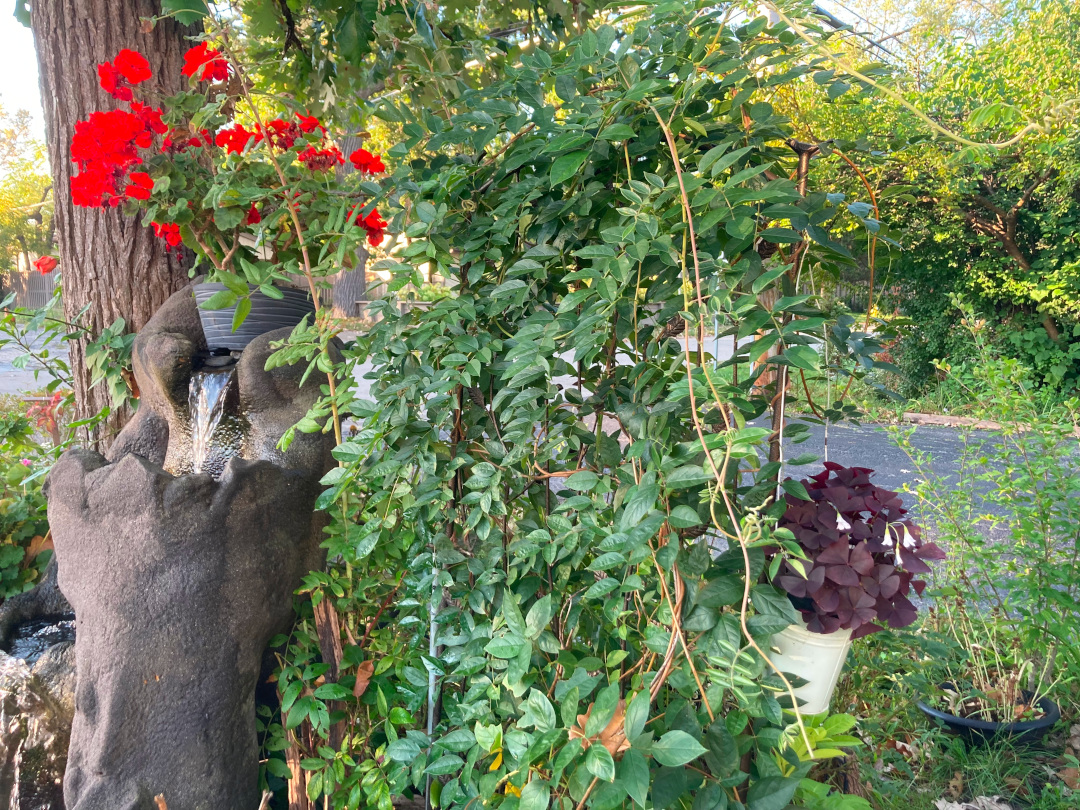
{"points": [[321, 160], [206, 62], [91, 187], [127, 69], [373, 223], [132, 66], [139, 186], [109, 139], [366, 162], [112, 82], [309, 123], [235, 138], [253, 216], [150, 116], [282, 134], [45, 264], [170, 232]]}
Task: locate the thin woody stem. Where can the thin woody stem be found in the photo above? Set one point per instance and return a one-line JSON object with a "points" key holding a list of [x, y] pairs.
{"points": [[719, 477], [294, 216]]}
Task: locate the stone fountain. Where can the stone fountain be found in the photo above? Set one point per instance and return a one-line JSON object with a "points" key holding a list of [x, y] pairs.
{"points": [[179, 578]]}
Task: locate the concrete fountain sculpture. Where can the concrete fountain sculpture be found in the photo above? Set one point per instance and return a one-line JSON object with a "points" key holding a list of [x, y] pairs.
{"points": [[179, 579]]}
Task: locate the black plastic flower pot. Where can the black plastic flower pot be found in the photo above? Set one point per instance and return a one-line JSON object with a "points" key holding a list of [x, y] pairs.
{"points": [[266, 315], [980, 731]]}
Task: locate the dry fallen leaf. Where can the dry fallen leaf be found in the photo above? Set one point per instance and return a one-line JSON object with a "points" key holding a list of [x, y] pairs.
{"points": [[38, 544], [363, 677], [613, 735], [978, 803], [956, 785], [1071, 777]]}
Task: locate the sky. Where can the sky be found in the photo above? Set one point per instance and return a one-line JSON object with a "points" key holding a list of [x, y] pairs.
{"points": [[18, 70]]}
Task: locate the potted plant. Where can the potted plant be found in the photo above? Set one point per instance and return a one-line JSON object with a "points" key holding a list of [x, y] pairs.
{"points": [[990, 689], [271, 308], [860, 556]]}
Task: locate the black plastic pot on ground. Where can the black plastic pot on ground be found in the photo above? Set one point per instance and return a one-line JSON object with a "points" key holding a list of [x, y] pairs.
{"points": [[980, 731], [266, 315]]}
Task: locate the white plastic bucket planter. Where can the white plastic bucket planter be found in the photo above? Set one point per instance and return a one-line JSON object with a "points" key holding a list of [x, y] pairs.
{"points": [[815, 658]]}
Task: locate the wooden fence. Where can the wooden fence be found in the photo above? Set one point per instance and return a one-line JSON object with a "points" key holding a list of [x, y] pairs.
{"points": [[32, 290]]}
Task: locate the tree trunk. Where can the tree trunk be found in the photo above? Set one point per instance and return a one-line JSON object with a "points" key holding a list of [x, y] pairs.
{"points": [[350, 285], [111, 264]]}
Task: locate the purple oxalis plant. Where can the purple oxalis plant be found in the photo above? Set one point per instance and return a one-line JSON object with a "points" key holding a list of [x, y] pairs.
{"points": [[863, 554]]}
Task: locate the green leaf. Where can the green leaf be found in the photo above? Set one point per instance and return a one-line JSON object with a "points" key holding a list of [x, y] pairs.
{"points": [[634, 775], [765, 279], [690, 475], [403, 750], [222, 299], [771, 793], [683, 517], [676, 748], [243, 307], [444, 765], [796, 489], [618, 132], [538, 617], [802, 357], [186, 12], [582, 481], [536, 795], [566, 167], [723, 591], [506, 647], [542, 712], [773, 602], [332, 691], [637, 714], [599, 762], [607, 700]]}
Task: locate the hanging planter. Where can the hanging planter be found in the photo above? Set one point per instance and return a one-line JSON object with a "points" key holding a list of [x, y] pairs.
{"points": [[816, 658], [858, 557], [266, 315]]}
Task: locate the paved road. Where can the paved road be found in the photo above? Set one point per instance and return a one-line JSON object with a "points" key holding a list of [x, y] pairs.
{"points": [[870, 446]]}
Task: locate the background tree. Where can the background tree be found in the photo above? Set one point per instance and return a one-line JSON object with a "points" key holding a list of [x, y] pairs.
{"points": [[996, 226], [25, 203], [113, 266]]}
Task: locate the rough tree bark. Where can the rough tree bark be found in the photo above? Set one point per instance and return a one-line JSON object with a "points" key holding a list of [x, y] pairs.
{"points": [[350, 285], [111, 264]]}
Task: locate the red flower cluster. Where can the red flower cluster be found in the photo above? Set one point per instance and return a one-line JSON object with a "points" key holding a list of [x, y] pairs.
{"points": [[127, 69], [150, 117], [366, 162], [253, 216], [373, 223], [170, 232], [309, 123], [321, 160], [235, 139], [207, 63], [140, 184], [282, 134], [45, 264], [104, 148]]}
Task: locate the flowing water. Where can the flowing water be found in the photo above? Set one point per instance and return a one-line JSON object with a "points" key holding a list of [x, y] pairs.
{"points": [[30, 640], [206, 402]]}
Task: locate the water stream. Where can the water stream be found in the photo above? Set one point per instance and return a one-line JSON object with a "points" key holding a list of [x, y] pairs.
{"points": [[31, 639], [206, 402]]}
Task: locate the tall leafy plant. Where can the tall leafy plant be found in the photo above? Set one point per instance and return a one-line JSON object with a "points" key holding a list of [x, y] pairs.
{"points": [[527, 603]]}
